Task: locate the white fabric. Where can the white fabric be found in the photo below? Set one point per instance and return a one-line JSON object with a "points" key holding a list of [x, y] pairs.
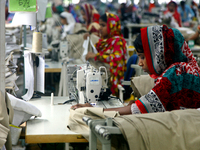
{"points": [[63, 80], [71, 22], [173, 22], [3, 148], [29, 76], [85, 46], [22, 110], [135, 109]]}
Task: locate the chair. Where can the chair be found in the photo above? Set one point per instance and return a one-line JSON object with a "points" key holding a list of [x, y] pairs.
{"points": [[125, 89]]}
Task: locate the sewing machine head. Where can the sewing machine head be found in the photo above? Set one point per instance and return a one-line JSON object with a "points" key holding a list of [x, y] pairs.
{"points": [[89, 83]]}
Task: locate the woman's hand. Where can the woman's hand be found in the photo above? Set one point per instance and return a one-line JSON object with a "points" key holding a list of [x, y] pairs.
{"points": [[90, 55], [80, 106], [131, 102], [59, 28], [85, 36]]}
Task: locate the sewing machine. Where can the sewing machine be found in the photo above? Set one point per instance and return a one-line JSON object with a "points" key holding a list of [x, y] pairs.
{"points": [[85, 83], [59, 50]]}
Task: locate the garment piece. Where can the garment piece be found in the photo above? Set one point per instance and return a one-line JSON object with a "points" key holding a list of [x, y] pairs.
{"points": [[92, 18], [76, 44], [141, 85], [113, 51], [175, 130], [175, 70], [22, 110], [6, 117], [175, 14], [76, 124], [69, 28], [29, 75]]}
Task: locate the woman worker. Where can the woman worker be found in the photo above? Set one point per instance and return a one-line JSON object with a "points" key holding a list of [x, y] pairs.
{"points": [[165, 55], [111, 49], [68, 23], [91, 18], [172, 11]]}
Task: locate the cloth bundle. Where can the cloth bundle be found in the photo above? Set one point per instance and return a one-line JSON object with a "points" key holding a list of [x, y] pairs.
{"points": [[6, 117], [141, 85], [179, 129], [22, 110], [10, 73], [76, 124]]}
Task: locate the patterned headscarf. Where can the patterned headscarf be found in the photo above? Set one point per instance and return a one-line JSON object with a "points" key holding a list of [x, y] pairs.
{"points": [[171, 63], [113, 51], [91, 13], [113, 30], [163, 47], [92, 18]]}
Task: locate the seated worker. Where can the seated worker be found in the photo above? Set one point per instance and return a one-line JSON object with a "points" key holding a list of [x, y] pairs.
{"points": [[68, 23], [165, 55], [111, 49], [91, 18], [186, 12], [173, 14]]}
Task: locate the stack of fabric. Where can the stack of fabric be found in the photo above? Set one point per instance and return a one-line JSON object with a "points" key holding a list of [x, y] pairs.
{"points": [[10, 73]]}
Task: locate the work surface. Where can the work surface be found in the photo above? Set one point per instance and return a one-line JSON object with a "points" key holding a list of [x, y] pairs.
{"points": [[52, 126], [53, 66], [56, 66]]}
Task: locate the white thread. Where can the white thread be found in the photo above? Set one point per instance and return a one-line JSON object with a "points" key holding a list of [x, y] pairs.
{"points": [[37, 42]]}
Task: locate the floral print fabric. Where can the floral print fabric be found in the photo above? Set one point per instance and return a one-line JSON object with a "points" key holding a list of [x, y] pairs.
{"points": [[113, 51]]}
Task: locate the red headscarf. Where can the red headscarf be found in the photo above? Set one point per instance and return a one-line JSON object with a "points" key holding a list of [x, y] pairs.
{"points": [[171, 61], [113, 51], [92, 18], [91, 13]]}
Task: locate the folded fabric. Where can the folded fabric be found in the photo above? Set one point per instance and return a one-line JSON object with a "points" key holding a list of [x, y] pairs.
{"points": [[3, 135], [22, 110], [178, 129], [10, 72], [6, 116], [141, 85], [24, 106], [76, 124]]}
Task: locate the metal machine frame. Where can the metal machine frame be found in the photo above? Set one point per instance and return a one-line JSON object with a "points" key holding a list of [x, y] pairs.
{"points": [[101, 129]]}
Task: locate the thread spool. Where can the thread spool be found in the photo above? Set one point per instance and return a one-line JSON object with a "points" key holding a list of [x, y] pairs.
{"points": [[37, 42]]}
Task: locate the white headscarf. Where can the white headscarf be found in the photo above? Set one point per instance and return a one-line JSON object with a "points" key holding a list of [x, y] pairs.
{"points": [[71, 22]]}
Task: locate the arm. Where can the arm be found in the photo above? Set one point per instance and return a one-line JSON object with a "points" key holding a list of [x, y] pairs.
{"points": [[126, 110], [103, 57], [122, 110]]}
